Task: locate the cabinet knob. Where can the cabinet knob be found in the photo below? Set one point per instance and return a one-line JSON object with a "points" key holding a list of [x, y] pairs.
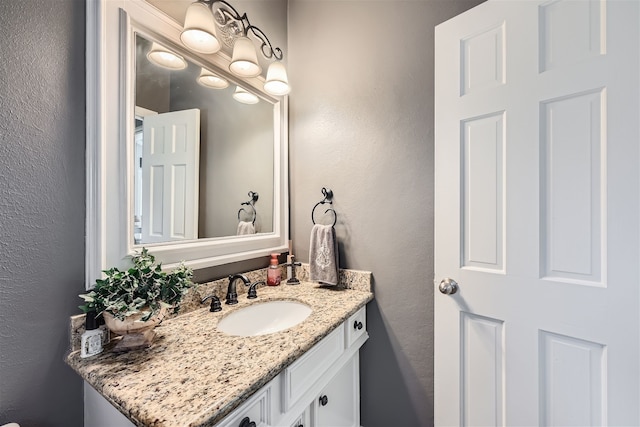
{"points": [[357, 325], [323, 400], [246, 422]]}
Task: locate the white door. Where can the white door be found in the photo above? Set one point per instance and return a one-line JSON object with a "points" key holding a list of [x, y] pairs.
{"points": [[170, 176], [537, 214]]}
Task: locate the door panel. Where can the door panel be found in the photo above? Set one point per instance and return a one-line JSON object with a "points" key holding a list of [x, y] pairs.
{"points": [[571, 31], [572, 187], [537, 214], [483, 56], [170, 168], [571, 379], [482, 369], [483, 195]]}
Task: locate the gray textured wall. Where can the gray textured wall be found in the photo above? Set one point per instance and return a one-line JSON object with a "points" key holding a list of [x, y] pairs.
{"points": [[361, 123], [41, 208]]}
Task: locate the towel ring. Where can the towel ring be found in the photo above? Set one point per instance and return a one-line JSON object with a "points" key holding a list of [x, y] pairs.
{"points": [[251, 202], [328, 196]]}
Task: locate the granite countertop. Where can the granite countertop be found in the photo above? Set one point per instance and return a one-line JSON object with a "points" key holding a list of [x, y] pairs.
{"points": [[194, 375]]}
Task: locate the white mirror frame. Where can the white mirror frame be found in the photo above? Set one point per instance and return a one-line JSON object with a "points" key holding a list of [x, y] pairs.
{"points": [[109, 138]]}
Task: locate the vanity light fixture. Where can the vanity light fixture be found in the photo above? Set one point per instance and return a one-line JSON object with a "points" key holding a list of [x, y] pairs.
{"points": [[244, 62], [211, 80], [277, 82], [199, 29], [241, 95], [233, 29], [163, 57]]}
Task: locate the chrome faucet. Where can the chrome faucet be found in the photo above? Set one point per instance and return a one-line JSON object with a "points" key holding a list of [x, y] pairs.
{"points": [[232, 295]]}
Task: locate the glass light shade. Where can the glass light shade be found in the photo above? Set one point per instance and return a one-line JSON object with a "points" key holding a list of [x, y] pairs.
{"points": [[163, 57], [277, 82], [241, 95], [211, 80], [244, 61], [199, 29]]}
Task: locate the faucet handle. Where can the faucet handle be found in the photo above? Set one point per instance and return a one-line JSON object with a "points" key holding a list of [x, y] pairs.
{"points": [[293, 264], [215, 303], [252, 289]]}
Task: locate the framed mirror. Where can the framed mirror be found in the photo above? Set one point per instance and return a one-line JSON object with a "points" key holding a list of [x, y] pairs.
{"points": [[227, 153], [180, 168]]}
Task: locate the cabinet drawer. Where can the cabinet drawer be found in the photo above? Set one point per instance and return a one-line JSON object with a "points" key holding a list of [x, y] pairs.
{"points": [[311, 366], [257, 408], [356, 326]]}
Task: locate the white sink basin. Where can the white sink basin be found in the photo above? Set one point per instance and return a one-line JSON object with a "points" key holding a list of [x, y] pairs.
{"points": [[263, 318]]}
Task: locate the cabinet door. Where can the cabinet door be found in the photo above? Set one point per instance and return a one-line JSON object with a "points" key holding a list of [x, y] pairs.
{"points": [[98, 412], [304, 420], [338, 405], [257, 409]]}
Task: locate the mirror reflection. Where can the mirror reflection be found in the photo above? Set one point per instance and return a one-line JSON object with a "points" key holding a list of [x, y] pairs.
{"points": [[204, 162]]}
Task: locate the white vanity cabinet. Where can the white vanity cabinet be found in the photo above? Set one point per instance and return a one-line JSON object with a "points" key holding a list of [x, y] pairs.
{"points": [[320, 389]]}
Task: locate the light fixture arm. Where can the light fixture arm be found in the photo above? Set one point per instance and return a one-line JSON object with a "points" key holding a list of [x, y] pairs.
{"points": [[266, 48], [224, 14]]}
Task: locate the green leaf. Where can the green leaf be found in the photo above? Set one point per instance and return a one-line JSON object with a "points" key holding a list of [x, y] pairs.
{"points": [[143, 285]]}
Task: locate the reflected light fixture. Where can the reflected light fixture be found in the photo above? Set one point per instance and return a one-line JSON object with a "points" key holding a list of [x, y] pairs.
{"points": [[206, 18], [211, 80], [241, 95], [199, 29], [163, 57]]}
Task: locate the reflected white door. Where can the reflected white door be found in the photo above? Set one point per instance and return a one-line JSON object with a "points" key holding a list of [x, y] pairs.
{"points": [[537, 214], [170, 176]]}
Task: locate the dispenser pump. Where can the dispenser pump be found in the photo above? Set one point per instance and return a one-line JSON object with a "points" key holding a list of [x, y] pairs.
{"points": [[274, 274]]}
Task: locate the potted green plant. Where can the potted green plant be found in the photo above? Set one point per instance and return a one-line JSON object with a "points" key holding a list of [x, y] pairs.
{"points": [[133, 301]]}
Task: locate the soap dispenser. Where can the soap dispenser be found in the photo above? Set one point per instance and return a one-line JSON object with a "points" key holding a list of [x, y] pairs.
{"points": [[274, 274], [91, 340]]}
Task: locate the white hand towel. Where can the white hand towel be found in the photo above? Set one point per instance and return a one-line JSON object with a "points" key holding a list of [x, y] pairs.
{"points": [[245, 227], [323, 255]]}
